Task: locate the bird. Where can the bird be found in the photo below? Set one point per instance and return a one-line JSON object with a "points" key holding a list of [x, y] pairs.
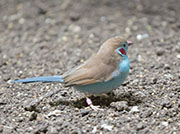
{"points": [[101, 73]]}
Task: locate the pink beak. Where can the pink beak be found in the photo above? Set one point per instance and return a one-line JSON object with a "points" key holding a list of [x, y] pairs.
{"points": [[129, 43]]}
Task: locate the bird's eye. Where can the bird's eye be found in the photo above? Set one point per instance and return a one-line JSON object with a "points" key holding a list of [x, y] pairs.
{"points": [[124, 44]]}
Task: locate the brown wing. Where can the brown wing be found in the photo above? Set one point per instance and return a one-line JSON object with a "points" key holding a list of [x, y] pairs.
{"points": [[92, 71]]}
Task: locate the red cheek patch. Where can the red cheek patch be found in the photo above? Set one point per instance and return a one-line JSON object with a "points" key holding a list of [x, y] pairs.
{"points": [[122, 51]]}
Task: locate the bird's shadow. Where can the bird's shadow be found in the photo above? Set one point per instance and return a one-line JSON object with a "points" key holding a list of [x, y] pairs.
{"points": [[103, 100], [106, 100]]}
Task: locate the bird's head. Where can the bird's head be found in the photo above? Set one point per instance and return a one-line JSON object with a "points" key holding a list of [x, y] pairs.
{"points": [[116, 45], [123, 47]]}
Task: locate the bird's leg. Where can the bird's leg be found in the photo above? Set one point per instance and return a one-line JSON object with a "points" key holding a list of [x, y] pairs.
{"points": [[89, 102]]}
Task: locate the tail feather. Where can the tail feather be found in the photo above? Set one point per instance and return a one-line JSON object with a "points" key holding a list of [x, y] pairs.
{"points": [[40, 79]]}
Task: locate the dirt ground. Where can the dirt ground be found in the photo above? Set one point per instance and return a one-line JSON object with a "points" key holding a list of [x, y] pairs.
{"points": [[49, 37]]}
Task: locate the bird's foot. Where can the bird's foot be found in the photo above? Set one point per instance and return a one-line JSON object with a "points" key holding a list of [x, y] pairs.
{"points": [[95, 108]]}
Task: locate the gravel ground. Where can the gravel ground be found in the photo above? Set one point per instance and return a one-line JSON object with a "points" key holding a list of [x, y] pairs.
{"points": [[48, 37]]}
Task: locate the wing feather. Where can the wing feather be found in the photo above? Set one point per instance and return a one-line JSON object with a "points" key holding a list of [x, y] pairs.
{"points": [[96, 69]]}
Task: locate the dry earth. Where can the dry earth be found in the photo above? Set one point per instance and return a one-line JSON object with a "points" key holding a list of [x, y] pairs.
{"points": [[48, 37]]}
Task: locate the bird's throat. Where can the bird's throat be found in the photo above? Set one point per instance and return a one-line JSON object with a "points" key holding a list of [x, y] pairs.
{"points": [[122, 51]]}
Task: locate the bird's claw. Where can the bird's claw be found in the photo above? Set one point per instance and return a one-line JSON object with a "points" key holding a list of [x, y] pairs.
{"points": [[95, 108]]}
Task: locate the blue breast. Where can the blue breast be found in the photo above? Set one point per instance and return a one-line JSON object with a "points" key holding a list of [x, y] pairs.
{"points": [[119, 77]]}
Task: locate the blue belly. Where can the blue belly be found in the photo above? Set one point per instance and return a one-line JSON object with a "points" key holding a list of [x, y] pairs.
{"points": [[119, 77], [102, 87]]}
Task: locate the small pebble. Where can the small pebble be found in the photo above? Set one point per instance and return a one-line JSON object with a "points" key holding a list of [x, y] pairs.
{"points": [[140, 126], [107, 127], [167, 66], [33, 116], [85, 112], [120, 105], [74, 16], [134, 109], [142, 36], [164, 123], [94, 130], [21, 21], [178, 56], [75, 28], [52, 130], [168, 76], [139, 58], [159, 52], [55, 113]]}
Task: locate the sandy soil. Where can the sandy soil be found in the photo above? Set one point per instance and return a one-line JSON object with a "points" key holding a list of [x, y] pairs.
{"points": [[48, 37]]}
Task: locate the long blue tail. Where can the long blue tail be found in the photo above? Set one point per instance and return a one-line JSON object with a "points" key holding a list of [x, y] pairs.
{"points": [[40, 79]]}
